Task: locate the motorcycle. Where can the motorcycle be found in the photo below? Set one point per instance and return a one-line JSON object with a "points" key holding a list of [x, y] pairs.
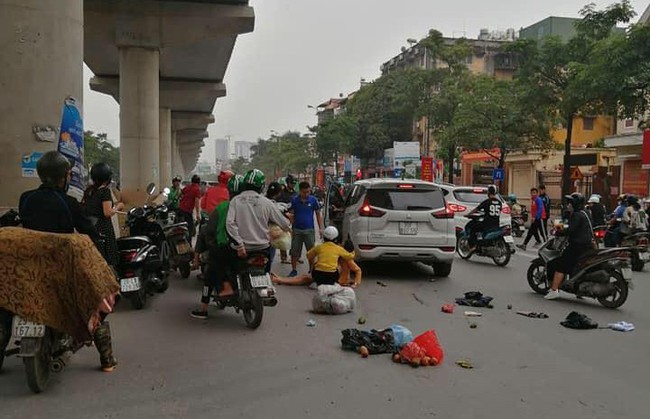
{"points": [[497, 244], [203, 257], [254, 290], [638, 243], [174, 241], [141, 265], [519, 222], [603, 274]]}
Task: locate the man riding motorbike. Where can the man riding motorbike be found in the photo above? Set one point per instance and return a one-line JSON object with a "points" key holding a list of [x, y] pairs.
{"points": [[597, 210], [580, 241], [249, 215], [50, 209], [491, 209]]}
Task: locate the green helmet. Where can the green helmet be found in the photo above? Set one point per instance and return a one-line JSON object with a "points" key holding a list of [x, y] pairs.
{"points": [[235, 184], [282, 181], [254, 179]]}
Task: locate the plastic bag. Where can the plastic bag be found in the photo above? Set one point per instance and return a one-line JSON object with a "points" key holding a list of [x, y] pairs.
{"points": [[279, 239], [334, 299], [428, 341], [377, 341], [412, 353], [401, 335]]}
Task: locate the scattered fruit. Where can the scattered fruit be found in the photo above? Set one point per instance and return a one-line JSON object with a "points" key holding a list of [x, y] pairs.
{"points": [[415, 362], [364, 352], [397, 358], [361, 320]]}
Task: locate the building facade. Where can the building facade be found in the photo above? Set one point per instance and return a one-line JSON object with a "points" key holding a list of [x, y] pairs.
{"points": [[243, 150], [222, 150]]}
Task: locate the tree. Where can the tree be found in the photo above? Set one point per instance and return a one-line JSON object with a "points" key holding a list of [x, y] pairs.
{"points": [[97, 149], [240, 165], [334, 136], [555, 72], [289, 153]]}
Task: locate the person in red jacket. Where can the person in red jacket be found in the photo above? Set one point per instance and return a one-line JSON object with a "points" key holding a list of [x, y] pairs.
{"points": [[217, 194]]}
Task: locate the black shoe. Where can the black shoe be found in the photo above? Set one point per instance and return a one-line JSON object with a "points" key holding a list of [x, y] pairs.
{"points": [[199, 314]]}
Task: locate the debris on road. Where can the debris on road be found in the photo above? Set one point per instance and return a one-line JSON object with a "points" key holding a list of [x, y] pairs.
{"points": [[463, 363], [376, 341], [418, 299], [311, 323], [473, 325], [447, 308], [621, 326], [364, 352], [575, 320], [475, 299], [381, 284], [509, 306], [401, 335], [334, 299], [361, 320], [473, 314], [533, 314]]}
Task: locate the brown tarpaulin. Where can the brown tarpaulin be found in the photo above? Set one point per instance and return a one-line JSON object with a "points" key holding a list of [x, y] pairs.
{"points": [[60, 280]]}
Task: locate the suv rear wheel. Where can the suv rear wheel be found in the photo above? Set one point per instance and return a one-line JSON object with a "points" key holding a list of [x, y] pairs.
{"points": [[441, 269]]}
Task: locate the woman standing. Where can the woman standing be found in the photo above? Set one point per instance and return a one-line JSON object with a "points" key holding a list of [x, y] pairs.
{"points": [[98, 204]]}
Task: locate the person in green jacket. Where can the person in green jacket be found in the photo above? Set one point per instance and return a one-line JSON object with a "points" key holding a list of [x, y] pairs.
{"points": [[216, 238], [174, 197]]}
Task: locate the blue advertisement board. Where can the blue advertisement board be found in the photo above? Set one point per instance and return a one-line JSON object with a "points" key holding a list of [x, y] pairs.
{"points": [[28, 164], [71, 145]]}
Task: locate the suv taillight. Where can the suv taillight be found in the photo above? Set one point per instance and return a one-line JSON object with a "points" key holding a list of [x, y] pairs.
{"points": [[368, 210], [457, 207], [446, 212]]}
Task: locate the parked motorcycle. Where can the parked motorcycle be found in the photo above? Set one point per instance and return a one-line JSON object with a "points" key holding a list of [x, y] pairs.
{"points": [[174, 241], [638, 243], [141, 266], [254, 290], [519, 222], [497, 244], [203, 257], [603, 274]]}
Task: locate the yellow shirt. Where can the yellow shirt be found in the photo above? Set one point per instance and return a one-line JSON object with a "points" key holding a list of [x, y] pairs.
{"points": [[327, 256]]}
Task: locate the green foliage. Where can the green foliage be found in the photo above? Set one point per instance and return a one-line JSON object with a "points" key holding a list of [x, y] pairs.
{"points": [[97, 149], [334, 136], [240, 165], [292, 152]]}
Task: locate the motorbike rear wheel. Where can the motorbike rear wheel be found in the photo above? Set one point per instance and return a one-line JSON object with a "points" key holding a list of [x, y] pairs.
{"points": [[637, 263], [253, 310], [504, 258], [537, 277], [620, 291], [138, 299], [462, 248], [37, 367], [185, 269]]}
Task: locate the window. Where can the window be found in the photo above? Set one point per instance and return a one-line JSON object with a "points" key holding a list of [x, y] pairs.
{"points": [[588, 123], [629, 123], [471, 196], [354, 195], [406, 200]]}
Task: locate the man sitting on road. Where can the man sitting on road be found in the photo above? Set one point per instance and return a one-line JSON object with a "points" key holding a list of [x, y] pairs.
{"points": [[491, 209], [249, 216]]}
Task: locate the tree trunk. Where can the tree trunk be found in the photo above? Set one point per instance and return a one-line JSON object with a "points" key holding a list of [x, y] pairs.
{"points": [[566, 170], [452, 153]]}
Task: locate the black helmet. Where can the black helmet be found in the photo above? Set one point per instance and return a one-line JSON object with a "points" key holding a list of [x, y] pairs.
{"points": [[631, 200], [101, 173], [52, 167], [196, 179], [577, 200], [291, 180], [492, 190]]}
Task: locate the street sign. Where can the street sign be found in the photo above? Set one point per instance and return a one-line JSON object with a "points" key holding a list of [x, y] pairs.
{"points": [[576, 174], [497, 174]]}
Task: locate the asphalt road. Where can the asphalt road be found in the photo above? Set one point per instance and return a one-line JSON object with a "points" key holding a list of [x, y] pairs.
{"points": [[173, 366]]}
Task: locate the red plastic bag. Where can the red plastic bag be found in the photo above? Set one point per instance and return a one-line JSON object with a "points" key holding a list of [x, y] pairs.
{"points": [[428, 341], [447, 308], [412, 353]]}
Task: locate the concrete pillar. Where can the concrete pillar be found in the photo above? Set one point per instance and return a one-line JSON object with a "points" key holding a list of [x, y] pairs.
{"points": [[41, 63], [177, 165], [139, 120], [165, 147]]}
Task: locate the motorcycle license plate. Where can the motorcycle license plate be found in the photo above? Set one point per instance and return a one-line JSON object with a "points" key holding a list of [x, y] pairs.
{"points": [[408, 229], [508, 239], [25, 329], [182, 248], [627, 273], [130, 284], [261, 281]]}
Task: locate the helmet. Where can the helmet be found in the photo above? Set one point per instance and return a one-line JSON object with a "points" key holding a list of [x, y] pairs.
{"points": [[577, 200], [622, 197], [330, 233], [234, 184], [101, 173], [254, 179], [512, 197], [52, 167], [631, 200], [273, 189], [196, 179], [594, 199], [291, 180], [177, 178], [282, 181], [492, 190], [224, 176]]}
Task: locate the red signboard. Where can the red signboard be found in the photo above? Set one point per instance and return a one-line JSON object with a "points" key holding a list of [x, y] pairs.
{"points": [[427, 169], [320, 177], [645, 156]]}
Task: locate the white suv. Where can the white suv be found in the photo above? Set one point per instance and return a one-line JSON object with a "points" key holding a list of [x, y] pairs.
{"points": [[463, 199], [392, 219]]}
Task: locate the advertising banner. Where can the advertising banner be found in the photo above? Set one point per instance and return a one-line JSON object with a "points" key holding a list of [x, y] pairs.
{"points": [[28, 164], [427, 169], [406, 153], [71, 145], [645, 155]]}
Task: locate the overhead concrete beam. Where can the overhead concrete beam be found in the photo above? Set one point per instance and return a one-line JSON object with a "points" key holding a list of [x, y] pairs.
{"points": [[196, 120]]}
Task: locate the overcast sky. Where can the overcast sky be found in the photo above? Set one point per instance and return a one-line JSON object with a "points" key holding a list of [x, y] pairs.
{"points": [[303, 52]]}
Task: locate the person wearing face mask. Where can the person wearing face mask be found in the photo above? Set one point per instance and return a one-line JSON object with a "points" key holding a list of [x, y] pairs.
{"points": [[580, 236]]}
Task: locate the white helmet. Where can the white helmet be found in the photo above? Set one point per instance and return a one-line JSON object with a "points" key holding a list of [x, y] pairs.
{"points": [[594, 199], [330, 233]]}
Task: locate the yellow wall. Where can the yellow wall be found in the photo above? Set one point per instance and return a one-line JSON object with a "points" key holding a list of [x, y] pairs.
{"points": [[603, 126]]}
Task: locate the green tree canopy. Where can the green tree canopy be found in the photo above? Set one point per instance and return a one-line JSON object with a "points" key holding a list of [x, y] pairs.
{"points": [[97, 149]]}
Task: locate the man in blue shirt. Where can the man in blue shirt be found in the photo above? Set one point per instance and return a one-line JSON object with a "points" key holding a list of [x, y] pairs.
{"points": [[304, 206]]}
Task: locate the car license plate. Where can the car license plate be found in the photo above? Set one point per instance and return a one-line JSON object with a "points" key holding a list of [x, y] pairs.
{"points": [[182, 248], [644, 256], [408, 229], [627, 273], [508, 239], [261, 281], [130, 284], [25, 329]]}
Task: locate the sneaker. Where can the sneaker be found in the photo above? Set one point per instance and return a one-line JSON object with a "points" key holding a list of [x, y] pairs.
{"points": [[199, 314], [522, 246], [293, 274], [552, 295]]}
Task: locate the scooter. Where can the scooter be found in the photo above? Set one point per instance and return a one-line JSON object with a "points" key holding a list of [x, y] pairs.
{"points": [[174, 242], [638, 243], [497, 244], [519, 222], [603, 274], [254, 290], [140, 269]]}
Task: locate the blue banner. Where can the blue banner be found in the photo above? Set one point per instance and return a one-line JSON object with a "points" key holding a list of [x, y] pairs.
{"points": [[71, 145]]}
